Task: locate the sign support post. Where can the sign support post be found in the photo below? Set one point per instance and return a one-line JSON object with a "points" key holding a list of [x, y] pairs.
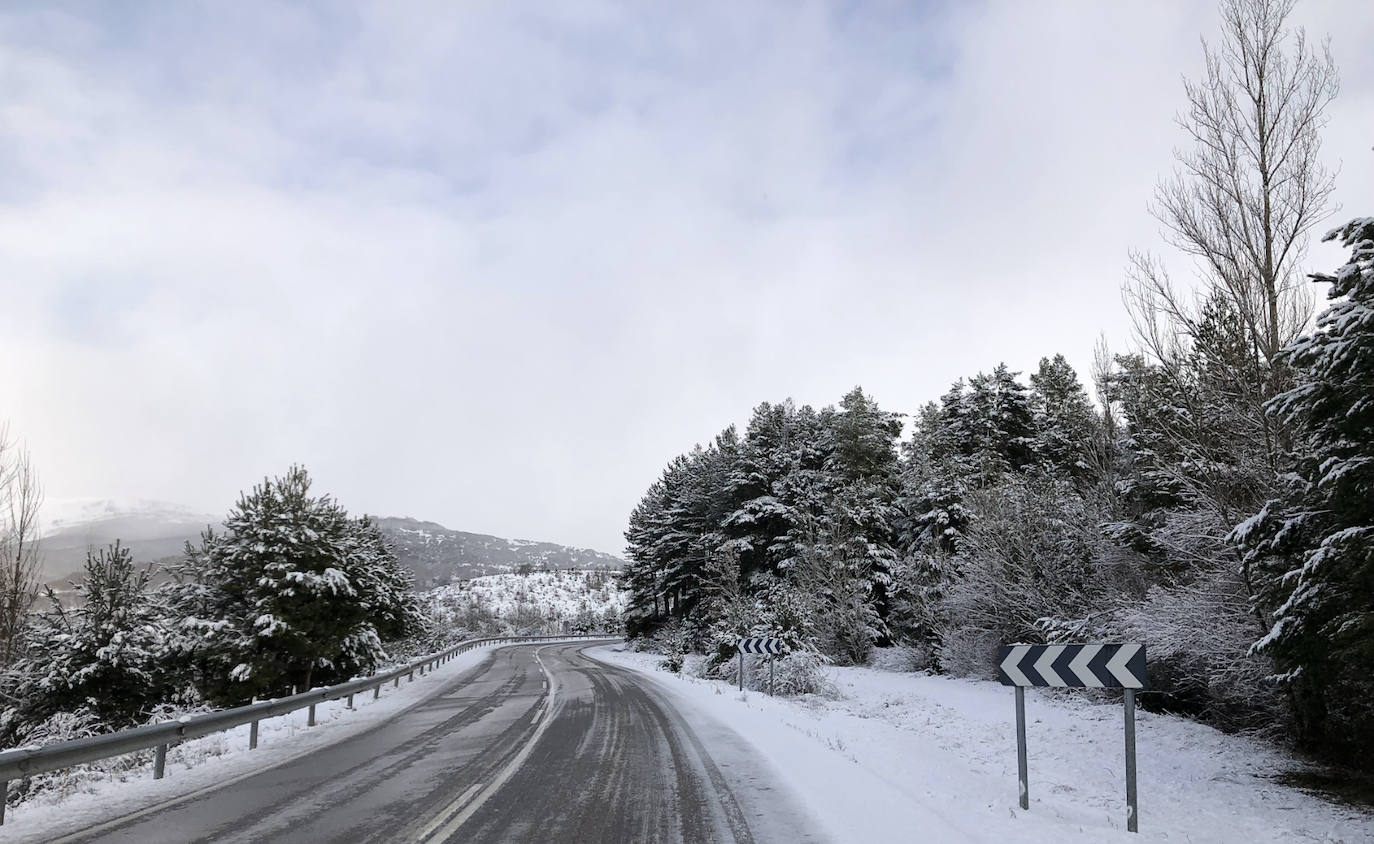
{"points": [[770, 675], [1021, 746], [741, 670], [1132, 807]]}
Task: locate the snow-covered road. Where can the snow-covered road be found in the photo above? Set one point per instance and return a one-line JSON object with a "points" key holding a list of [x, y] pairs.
{"points": [[534, 744]]}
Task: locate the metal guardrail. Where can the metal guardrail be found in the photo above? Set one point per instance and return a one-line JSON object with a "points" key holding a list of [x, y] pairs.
{"points": [[27, 761]]}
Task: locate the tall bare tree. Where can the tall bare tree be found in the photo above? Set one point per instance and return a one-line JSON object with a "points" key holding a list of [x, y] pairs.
{"points": [[1242, 203], [1249, 189], [21, 496]]}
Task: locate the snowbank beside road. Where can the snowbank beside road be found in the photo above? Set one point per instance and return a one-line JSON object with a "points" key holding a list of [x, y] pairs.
{"points": [[904, 757]]}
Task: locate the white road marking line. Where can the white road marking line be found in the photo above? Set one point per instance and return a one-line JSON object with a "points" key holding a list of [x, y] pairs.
{"points": [[466, 809], [460, 802]]}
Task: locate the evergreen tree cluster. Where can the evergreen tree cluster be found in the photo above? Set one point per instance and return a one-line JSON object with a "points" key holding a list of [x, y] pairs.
{"points": [[292, 593], [1026, 512], [825, 528]]}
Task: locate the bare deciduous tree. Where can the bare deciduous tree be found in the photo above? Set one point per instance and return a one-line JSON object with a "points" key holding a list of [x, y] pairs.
{"points": [[1251, 187], [21, 495]]}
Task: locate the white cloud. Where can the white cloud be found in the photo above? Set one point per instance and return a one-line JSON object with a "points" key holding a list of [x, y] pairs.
{"points": [[494, 267]]}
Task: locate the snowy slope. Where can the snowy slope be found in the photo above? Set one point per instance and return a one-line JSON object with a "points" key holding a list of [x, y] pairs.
{"points": [[553, 601], [900, 753], [438, 555]]}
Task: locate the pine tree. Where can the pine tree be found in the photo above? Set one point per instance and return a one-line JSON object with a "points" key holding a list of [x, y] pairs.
{"points": [[1316, 544], [385, 588], [864, 439], [103, 654], [1001, 422], [643, 576], [777, 482], [290, 595], [1064, 420]]}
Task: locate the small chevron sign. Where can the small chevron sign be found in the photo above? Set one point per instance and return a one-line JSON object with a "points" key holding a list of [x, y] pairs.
{"points": [[761, 645], [1077, 666]]}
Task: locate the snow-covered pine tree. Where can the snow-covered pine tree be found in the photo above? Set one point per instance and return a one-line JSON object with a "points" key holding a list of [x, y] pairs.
{"points": [[1315, 545], [385, 587], [864, 477], [277, 600], [643, 576], [775, 483], [1064, 418], [1001, 423], [673, 530], [101, 655]]}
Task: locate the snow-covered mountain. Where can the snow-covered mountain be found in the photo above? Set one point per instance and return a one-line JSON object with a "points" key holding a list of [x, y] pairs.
{"points": [[552, 601], [157, 531], [153, 530], [439, 555]]}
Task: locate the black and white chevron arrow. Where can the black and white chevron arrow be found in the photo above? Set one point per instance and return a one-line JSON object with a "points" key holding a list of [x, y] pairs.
{"points": [[1079, 666], [761, 645]]}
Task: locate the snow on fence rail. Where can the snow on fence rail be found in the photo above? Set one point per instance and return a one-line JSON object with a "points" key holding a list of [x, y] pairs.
{"points": [[27, 761]]}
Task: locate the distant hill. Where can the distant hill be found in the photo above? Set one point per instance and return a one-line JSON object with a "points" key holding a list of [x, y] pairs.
{"points": [[156, 532], [438, 555], [153, 531]]}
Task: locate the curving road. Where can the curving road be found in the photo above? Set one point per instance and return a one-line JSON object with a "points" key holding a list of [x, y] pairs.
{"points": [[539, 743]]}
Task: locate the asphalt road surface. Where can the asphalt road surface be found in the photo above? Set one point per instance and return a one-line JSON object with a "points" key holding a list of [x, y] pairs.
{"points": [[539, 743]]}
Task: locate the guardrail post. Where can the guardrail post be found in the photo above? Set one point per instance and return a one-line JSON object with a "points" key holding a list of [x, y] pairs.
{"points": [[4, 798], [411, 677], [160, 762], [253, 736], [377, 691], [310, 719], [350, 701]]}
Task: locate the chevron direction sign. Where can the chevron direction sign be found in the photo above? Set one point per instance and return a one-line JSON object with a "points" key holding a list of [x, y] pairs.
{"points": [[1077, 666], [761, 645]]}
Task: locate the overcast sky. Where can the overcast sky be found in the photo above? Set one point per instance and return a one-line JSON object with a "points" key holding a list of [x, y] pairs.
{"points": [[493, 264]]}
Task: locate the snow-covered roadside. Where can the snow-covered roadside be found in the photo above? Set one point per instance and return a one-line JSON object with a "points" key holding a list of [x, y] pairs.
{"points": [[215, 759], [904, 757]]}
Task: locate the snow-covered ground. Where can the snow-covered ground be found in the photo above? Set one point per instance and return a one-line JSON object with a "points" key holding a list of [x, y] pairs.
{"points": [[907, 757], [88, 797]]}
